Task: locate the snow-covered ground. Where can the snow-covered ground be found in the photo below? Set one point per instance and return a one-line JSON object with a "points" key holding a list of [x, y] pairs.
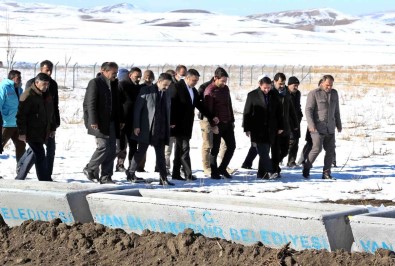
{"points": [[365, 148], [365, 154]]}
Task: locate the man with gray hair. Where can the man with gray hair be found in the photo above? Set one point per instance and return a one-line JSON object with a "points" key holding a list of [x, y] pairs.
{"points": [[103, 118], [323, 116]]}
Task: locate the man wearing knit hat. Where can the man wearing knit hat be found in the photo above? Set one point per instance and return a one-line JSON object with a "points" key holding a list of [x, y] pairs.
{"points": [[293, 84]]}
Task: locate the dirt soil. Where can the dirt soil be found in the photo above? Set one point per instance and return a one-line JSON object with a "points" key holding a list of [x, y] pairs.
{"points": [[55, 243]]}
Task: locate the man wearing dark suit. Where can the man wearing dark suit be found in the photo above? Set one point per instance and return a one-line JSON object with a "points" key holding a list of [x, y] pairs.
{"points": [[263, 122], [151, 123], [184, 100], [129, 89], [103, 118]]}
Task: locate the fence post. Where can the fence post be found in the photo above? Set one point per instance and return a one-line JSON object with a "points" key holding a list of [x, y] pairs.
{"points": [[241, 75], [56, 65], [34, 72], [74, 67], [293, 70], [302, 72], [274, 70], [229, 73], [94, 70], [252, 68]]}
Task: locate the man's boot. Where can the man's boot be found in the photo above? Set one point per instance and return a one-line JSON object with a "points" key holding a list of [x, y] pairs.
{"points": [[131, 177], [306, 171], [106, 179], [326, 174], [164, 182]]}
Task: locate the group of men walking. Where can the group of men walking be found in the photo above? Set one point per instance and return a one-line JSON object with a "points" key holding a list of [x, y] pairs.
{"points": [[121, 112]]}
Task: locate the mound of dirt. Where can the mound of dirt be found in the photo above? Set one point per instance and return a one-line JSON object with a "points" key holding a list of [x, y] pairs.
{"points": [[55, 243]]}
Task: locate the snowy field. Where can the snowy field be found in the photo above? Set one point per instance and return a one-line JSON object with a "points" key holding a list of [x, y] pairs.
{"points": [[365, 149]]}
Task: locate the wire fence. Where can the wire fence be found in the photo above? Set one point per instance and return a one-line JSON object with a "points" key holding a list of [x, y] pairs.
{"points": [[77, 76], [241, 77]]}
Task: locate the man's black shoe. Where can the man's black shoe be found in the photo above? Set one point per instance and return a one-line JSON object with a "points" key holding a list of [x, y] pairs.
{"points": [[327, 175], [246, 166], [120, 168], [177, 177], [224, 173], [131, 177], [191, 178], [215, 176], [141, 170], [334, 164], [306, 171], [106, 180], [90, 174], [165, 182]]}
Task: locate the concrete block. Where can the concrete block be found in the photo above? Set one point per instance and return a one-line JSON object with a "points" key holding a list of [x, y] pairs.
{"points": [[24, 200], [239, 219], [373, 231]]}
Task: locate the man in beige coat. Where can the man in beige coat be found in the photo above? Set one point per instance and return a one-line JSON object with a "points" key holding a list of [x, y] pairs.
{"points": [[323, 116]]}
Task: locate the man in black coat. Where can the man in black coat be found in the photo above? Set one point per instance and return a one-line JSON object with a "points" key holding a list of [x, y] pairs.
{"points": [[151, 123], [293, 84], [281, 144], [35, 120], [103, 118], [129, 89], [28, 160], [263, 122], [184, 100]]}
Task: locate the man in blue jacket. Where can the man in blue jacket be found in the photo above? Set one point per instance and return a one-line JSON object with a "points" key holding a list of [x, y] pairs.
{"points": [[10, 90]]}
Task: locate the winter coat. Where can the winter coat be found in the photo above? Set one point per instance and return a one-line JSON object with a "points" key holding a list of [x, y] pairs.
{"points": [[183, 110], [1, 133], [260, 119], [201, 90], [128, 92], [101, 106], [290, 119], [9, 102], [322, 111], [35, 117], [144, 113], [295, 97], [217, 101], [53, 90]]}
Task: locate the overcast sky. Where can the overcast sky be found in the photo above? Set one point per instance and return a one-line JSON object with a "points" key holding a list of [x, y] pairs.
{"points": [[237, 7]]}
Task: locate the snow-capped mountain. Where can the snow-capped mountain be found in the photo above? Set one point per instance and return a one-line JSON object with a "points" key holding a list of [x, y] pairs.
{"points": [[118, 9], [311, 17], [63, 29]]}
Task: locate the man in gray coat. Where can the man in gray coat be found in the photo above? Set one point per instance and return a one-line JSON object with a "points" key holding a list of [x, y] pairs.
{"points": [[323, 116], [151, 123]]}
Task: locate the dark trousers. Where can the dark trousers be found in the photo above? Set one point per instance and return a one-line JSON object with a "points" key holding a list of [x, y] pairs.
{"points": [[104, 154], [265, 163], [160, 158], [279, 151], [226, 132], [28, 160], [122, 145], [41, 161], [293, 150], [251, 155], [12, 133], [181, 157]]}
